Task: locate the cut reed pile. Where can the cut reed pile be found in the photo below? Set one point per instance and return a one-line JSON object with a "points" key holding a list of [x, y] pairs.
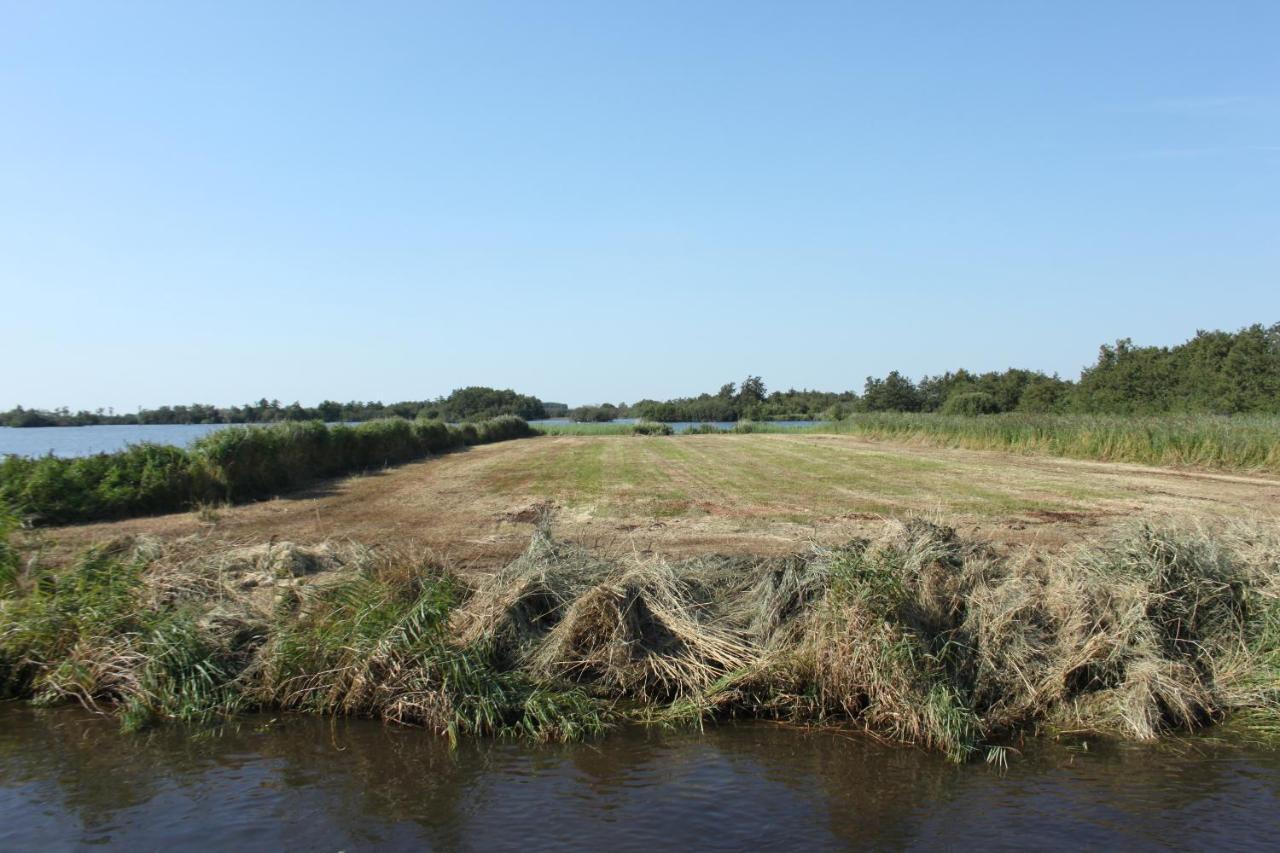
{"points": [[917, 636]]}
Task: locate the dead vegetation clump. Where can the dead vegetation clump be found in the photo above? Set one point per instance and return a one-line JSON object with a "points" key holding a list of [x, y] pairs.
{"points": [[648, 632], [516, 607], [917, 636]]}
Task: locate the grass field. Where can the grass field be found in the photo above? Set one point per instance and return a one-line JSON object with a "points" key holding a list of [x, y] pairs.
{"points": [[1242, 443], [737, 494]]}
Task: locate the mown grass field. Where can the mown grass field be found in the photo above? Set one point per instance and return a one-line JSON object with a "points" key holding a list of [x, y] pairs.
{"points": [[743, 494]]}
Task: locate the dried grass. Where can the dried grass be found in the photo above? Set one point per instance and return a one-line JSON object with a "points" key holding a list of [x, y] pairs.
{"points": [[916, 636]]}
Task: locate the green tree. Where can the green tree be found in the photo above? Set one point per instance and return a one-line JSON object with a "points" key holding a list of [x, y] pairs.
{"points": [[894, 393]]}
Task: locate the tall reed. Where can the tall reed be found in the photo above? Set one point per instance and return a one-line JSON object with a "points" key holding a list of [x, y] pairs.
{"points": [[1234, 443], [233, 464]]}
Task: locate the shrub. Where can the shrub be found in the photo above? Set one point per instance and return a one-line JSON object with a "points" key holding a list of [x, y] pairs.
{"points": [[502, 428], [971, 404], [140, 479], [234, 464], [651, 428]]}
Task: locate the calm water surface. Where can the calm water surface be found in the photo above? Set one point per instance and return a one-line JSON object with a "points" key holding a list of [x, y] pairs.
{"points": [[88, 440], [70, 780]]}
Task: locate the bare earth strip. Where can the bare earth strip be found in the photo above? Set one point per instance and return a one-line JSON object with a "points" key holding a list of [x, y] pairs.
{"points": [[734, 494]]}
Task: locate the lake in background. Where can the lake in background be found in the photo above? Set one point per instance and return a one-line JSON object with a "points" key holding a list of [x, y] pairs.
{"points": [[88, 440], [70, 779]]}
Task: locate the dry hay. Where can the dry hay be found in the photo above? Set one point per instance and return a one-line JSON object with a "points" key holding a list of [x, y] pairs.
{"points": [[917, 635], [647, 632]]}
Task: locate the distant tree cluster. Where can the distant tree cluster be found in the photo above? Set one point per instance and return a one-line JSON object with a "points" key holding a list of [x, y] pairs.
{"points": [[749, 400], [477, 402], [962, 392], [1223, 372], [1214, 372], [556, 410], [603, 413], [464, 404]]}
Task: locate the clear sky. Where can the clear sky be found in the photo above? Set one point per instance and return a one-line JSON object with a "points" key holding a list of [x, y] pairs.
{"points": [[585, 201]]}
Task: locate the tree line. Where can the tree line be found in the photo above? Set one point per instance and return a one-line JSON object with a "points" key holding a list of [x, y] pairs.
{"points": [[1213, 372], [462, 405]]}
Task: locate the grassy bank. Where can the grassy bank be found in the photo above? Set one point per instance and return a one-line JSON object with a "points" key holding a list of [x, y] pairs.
{"points": [[916, 636], [230, 465], [1239, 443]]}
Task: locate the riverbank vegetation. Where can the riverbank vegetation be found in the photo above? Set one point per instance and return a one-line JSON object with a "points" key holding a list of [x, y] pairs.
{"points": [[247, 463], [1214, 372], [464, 404], [1241, 443], [916, 635], [226, 466], [589, 428]]}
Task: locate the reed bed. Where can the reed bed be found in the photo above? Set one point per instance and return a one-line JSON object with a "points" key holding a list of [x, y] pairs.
{"points": [[1229, 443], [226, 466], [639, 428], [916, 636], [585, 429]]}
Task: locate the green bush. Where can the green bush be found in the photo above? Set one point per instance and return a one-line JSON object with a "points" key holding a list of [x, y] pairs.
{"points": [[651, 428], [234, 464], [971, 404], [502, 428], [141, 479]]}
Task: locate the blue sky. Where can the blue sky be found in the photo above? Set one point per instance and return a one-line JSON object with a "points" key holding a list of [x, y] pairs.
{"points": [[591, 201]]}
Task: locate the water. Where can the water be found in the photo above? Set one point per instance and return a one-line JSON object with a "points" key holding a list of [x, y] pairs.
{"points": [[68, 779], [88, 440]]}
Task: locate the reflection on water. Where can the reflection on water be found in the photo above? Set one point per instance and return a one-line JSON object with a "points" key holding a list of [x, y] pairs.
{"points": [[68, 778]]}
